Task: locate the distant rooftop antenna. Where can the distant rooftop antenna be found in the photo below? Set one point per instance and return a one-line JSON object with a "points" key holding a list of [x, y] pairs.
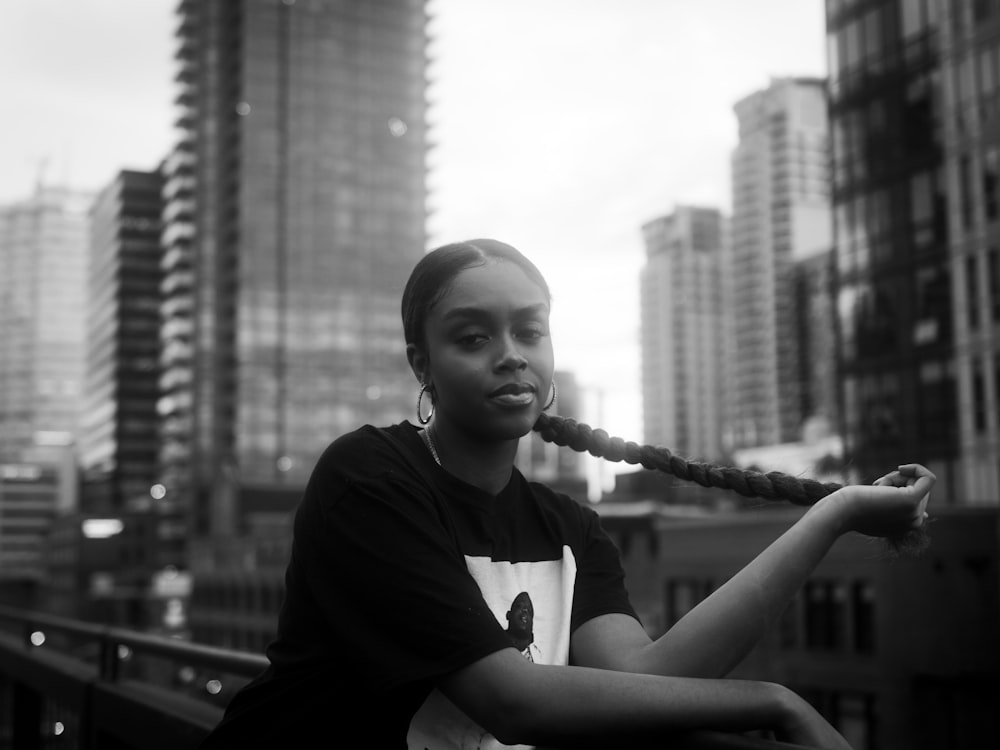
{"points": [[43, 165], [67, 163]]}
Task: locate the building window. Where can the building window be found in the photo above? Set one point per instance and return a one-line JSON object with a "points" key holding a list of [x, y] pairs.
{"points": [[873, 38], [982, 10], [989, 79], [936, 396], [853, 713], [971, 291], [978, 397], [922, 208], [913, 16], [996, 384], [863, 616], [933, 319], [994, 284], [825, 611], [964, 191], [986, 77], [854, 717], [991, 169]]}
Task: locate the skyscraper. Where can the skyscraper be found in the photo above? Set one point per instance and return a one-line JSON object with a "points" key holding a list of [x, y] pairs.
{"points": [[816, 318], [43, 256], [118, 440], [781, 214], [685, 332], [295, 220], [914, 115]]}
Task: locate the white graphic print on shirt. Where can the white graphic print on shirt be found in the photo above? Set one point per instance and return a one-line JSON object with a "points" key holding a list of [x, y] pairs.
{"points": [[549, 584]]}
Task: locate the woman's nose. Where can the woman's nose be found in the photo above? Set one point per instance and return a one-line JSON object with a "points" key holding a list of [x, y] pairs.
{"points": [[510, 356]]}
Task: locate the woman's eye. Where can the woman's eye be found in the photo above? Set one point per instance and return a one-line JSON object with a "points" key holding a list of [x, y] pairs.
{"points": [[471, 339], [531, 334]]}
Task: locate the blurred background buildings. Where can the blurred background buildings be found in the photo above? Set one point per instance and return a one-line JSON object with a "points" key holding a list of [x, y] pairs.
{"points": [[177, 349]]}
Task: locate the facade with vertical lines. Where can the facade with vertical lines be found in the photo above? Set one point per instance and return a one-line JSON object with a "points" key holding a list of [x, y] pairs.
{"points": [[303, 210], [43, 252], [781, 215], [914, 111], [685, 332], [118, 436]]}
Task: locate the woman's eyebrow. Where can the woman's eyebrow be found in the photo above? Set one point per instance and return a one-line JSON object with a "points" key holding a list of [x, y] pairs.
{"points": [[478, 313], [532, 310], [465, 313]]}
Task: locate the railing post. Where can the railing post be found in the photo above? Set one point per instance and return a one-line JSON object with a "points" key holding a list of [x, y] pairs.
{"points": [[26, 722], [108, 659]]}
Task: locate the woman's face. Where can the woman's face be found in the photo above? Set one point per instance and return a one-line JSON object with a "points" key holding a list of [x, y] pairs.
{"points": [[488, 352]]}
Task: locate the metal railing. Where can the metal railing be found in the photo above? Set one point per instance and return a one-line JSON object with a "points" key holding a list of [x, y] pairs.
{"points": [[77, 693], [65, 685]]}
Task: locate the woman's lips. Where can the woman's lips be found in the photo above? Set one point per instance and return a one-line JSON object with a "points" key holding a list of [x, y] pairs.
{"points": [[514, 394], [514, 399]]}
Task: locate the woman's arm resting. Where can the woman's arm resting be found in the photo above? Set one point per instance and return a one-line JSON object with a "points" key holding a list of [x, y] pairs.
{"points": [[717, 634], [520, 702]]}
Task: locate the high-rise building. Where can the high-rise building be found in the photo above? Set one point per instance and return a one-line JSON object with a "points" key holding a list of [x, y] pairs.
{"points": [[118, 438], [295, 210], [685, 332], [819, 389], [43, 254], [914, 91], [175, 406], [781, 215]]}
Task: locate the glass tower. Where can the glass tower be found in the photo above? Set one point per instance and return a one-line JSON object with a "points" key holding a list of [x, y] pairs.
{"points": [[118, 425], [43, 257], [781, 216], [684, 332], [294, 220], [914, 91]]}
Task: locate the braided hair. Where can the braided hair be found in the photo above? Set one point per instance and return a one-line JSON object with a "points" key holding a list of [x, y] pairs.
{"points": [[430, 280], [773, 485]]}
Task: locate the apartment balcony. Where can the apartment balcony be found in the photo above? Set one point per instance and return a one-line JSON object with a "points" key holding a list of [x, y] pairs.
{"points": [[110, 698], [176, 281], [180, 230], [178, 210], [179, 184], [181, 159], [177, 307]]}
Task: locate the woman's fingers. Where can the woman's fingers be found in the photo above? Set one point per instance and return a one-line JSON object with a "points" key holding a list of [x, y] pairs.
{"points": [[921, 479], [889, 480], [915, 470], [907, 475]]}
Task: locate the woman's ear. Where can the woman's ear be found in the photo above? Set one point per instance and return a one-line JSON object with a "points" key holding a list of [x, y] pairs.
{"points": [[418, 363]]}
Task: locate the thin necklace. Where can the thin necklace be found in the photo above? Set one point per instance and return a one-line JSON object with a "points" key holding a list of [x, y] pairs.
{"points": [[430, 444]]}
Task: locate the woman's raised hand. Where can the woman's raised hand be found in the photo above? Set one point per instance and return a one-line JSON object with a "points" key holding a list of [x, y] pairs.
{"points": [[890, 507]]}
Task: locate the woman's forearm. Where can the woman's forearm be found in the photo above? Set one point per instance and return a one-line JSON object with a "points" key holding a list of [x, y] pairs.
{"points": [[547, 705], [576, 704], [718, 633]]}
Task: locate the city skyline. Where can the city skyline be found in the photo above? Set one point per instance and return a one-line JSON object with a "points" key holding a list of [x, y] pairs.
{"points": [[618, 119]]}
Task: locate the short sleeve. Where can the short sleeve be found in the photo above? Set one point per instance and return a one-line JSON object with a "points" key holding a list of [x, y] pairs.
{"points": [[600, 582], [389, 580]]}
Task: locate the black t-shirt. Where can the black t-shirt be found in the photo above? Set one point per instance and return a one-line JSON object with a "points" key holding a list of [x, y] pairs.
{"points": [[401, 573]]}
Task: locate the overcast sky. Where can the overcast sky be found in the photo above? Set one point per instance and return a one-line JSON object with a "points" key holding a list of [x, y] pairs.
{"points": [[561, 126]]}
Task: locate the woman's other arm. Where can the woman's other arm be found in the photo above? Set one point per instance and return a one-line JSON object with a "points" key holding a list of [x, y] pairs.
{"points": [[520, 702], [717, 634]]}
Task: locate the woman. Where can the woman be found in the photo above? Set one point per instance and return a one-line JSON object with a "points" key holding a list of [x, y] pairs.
{"points": [[410, 545]]}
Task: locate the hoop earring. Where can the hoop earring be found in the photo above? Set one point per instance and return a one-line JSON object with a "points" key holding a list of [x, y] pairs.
{"points": [[420, 418], [552, 398]]}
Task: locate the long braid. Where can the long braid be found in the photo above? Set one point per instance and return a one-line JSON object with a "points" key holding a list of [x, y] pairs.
{"points": [[773, 485]]}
